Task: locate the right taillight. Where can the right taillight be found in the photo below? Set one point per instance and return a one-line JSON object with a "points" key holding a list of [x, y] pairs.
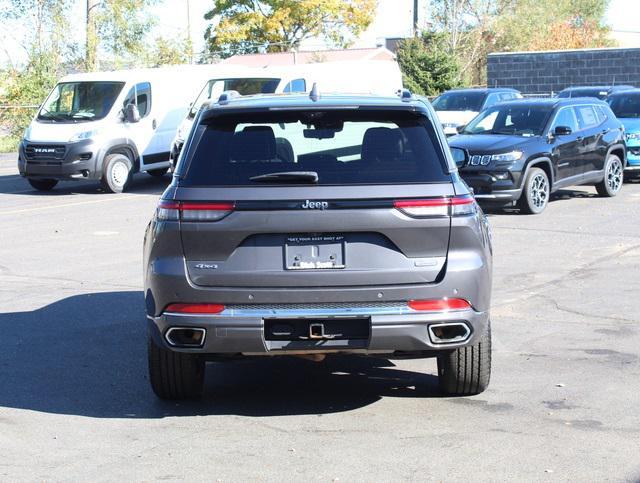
{"points": [[193, 211], [445, 206]]}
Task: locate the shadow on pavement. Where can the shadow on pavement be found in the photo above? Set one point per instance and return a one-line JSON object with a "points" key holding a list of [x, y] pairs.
{"points": [[85, 355], [141, 184], [560, 195]]}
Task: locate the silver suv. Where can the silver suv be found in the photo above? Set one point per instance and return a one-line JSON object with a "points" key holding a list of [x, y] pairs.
{"points": [[316, 225]]}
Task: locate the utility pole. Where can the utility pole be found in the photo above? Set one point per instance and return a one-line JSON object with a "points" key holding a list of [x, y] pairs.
{"points": [[189, 40], [91, 44], [415, 18]]}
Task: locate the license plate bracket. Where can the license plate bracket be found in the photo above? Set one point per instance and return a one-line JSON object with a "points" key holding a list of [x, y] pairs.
{"points": [[314, 252]]}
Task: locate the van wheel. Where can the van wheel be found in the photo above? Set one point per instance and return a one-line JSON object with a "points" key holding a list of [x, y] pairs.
{"points": [[466, 371], [42, 184], [535, 192], [158, 173], [175, 375], [116, 174], [613, 177]]}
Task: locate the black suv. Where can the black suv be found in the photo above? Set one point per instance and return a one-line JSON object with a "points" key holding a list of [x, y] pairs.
{"points": [[521, 151], [315, 225]]}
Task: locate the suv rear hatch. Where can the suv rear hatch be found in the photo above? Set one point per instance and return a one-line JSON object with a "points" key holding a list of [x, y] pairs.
{"points": [[314, 198]]}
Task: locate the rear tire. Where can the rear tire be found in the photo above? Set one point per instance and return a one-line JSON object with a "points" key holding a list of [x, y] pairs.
{"points": [[466, 371], [158, 173], [535, 192], [43, 184], [613, 177], [175, 375], [116, 174]]}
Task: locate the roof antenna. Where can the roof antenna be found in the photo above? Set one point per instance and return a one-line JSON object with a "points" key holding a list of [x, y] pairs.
{"points": [[314, 95]]}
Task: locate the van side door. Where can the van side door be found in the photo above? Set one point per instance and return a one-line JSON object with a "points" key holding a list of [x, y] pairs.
{"points": [[141, 133]]}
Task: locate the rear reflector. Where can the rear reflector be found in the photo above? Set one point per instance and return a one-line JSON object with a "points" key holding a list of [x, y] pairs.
{"points": [[439, 305], [194, 308], [193, 211], [446, 206]]}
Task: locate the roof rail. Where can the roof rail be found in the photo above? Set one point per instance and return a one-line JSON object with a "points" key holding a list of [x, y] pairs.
{"points": [[226, 97], [314, 94], [405, 95]]}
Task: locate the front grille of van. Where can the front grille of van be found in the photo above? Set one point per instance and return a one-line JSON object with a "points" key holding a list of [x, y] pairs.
{"points": [[41, 151]]}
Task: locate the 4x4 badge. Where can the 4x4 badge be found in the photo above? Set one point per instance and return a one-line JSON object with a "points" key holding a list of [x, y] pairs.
{"points": [[315, 205]]}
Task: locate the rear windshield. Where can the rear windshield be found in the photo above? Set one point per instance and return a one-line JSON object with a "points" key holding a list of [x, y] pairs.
{"points": [[625, 106], [342, 146], [459, 101]]}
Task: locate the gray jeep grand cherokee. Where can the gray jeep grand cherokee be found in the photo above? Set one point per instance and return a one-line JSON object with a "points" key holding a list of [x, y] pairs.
{"points": [[315, 225]]}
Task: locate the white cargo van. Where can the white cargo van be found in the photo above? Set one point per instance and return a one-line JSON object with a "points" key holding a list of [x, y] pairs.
{"points": [[108, 125], [357, 77]]}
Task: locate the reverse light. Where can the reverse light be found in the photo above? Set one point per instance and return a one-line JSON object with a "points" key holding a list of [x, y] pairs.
{"points": [[439, 305], [202, 309], [193, 211], [446, 206]]}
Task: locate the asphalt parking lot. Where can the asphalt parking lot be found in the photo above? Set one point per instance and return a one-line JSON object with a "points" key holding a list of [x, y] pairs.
{"points": [[75, 403]]}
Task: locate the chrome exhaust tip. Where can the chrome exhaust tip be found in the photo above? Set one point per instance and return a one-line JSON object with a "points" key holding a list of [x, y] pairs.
{"points": [[449, 333], [187, 337]]}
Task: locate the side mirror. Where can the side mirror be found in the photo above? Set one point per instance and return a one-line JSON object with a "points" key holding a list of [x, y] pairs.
{"points": [[461, 128], [131, 113], [562, 131]]}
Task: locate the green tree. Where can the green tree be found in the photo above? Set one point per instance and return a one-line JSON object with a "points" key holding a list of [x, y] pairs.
{"points": [[46, 47], [169, 52], [427, 65], [280, 25], [118, 28]]}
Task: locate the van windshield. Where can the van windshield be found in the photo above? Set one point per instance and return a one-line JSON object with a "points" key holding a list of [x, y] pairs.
{"points": [[344, 147], [245, 86], [80, 101], [625, 106]]}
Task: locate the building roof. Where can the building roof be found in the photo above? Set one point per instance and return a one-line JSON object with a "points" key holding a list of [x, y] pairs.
{"points": [[308, 57]]}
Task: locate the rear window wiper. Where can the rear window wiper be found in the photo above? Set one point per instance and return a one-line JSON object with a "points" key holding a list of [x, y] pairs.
{"points": [[287, 176]]}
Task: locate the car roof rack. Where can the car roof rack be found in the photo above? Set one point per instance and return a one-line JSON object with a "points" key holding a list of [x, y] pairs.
{"points": [[226, 97]]}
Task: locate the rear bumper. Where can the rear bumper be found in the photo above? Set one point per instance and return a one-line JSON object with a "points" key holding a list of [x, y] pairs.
{"points": [[242, 332], [79, 161]]}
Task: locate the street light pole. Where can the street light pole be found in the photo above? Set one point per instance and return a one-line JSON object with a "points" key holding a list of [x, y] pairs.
{"points": [[415, 18]]}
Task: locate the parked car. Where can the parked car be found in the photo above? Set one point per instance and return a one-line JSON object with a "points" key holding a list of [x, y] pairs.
{"points": [[457, 107], [598, 92], [521, 151], [626, 106], [358, 236], [372, 77], [107, 125]]}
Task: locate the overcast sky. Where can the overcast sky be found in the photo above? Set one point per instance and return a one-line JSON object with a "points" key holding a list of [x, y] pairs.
{"points": [[393, 19]]}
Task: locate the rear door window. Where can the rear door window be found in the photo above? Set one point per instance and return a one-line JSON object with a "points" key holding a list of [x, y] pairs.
{"points": [[587, 117], [344, 147], [296, 85]]}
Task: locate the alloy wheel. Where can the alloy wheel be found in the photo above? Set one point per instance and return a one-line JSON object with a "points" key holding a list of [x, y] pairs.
{"points": [[614, 175], [539, 190]]}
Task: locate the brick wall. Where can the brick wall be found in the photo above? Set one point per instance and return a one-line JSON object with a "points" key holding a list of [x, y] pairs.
{"points": [[543, 72]]}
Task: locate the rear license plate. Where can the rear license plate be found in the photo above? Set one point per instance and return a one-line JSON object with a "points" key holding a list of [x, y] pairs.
{"points": [[314, 252], [353, 328]]}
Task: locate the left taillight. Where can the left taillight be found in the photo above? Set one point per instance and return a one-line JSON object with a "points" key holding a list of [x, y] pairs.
{"points": [[193, 211], [445, 206]]}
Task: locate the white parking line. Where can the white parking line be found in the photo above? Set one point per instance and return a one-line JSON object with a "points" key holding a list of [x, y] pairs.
{"points": [[64, 205]]}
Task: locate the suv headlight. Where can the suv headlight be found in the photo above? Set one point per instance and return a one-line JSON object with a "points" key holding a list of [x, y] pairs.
{"points": [[27, 133], [459, 156], [506, 157], [84, 135]]}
